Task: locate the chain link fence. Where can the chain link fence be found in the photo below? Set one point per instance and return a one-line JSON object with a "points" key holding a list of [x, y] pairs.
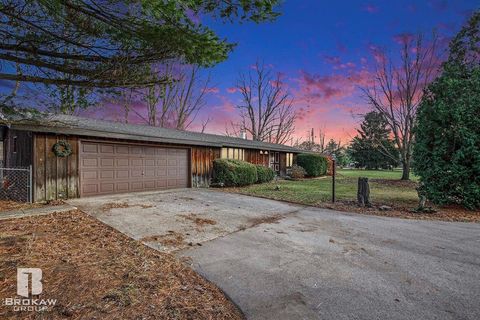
{"points": [[16, 184]]}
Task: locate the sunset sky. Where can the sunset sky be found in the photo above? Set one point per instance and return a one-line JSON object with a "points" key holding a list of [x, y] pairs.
{"points": [[323, 49]]}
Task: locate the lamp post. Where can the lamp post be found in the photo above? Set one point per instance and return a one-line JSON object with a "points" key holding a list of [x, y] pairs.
{"points": [[334, 159]]}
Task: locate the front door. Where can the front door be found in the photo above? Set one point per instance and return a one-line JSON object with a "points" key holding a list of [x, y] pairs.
{"points": [[275, 161]]}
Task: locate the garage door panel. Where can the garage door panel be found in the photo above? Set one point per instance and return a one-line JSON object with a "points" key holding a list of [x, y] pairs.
{"points": [[136, 173], [136, 150], [107, 162], [136, 185], [122, 174], [111, 168], [149, 173], [122, 162], [149, 162], [90, 162], [120, 149], [107, 174], [89, 175], [107, 149], [89, 188], [161, 162], [89, 148], [122, 186], [107, 187], [136, 162]]}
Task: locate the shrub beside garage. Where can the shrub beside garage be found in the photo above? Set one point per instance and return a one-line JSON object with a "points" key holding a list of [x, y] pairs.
{"points": [[315, 165], [233, 173], [236, 173]]}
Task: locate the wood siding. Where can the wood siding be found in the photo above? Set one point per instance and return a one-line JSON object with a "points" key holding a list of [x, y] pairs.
{"points": [[54, 177], [22, 157], [202, 165], [59, 178], [254, 156]]}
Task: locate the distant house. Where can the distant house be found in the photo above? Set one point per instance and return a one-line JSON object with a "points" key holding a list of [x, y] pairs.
{"points": [[110, 157]]}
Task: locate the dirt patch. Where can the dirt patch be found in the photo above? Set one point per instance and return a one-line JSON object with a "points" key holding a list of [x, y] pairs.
{"points": [[172, 239], [6, 205], [450, 214], [199, 221], [396, 183], [113, 205], [95, 272], [264, 220], [55, 203]]}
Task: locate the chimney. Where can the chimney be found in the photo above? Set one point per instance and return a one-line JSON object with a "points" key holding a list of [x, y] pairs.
{"points": [[243, 134]]}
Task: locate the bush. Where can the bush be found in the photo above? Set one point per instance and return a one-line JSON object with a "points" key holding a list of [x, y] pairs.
{"points": [[297, 172], [233, 173], [315, 165], [264, 174]]}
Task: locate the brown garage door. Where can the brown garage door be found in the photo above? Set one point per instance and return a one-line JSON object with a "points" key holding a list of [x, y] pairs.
{"points": [[113, 168]]}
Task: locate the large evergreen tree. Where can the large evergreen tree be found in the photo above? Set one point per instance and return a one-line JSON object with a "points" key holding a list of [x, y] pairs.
{"points": [[373, 148], [447, 149], [105, 44]]}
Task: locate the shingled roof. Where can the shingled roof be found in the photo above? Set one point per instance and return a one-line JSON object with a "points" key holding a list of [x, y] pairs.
{"points": [[73, 125]]}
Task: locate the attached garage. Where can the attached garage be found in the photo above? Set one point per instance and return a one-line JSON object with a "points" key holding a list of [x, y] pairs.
{"points": [[109, 157], [107, 168]]}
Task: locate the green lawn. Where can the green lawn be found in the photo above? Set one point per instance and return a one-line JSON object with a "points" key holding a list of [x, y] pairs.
{"points": [[385, 188]]}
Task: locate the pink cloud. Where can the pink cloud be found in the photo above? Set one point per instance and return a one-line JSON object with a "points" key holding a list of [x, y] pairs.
{"points": [[232, 89], [403, 38], [371, 8], [212, 90]]}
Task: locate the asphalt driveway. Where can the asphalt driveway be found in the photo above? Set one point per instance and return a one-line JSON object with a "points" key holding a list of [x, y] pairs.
{"points": [[281, 261]]}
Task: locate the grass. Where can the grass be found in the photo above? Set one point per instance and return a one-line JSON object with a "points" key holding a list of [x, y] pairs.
{"points": [[385, 188]]}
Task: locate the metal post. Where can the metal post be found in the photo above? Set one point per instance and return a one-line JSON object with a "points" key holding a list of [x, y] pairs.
{"points": [[30, 183], [333, 180]]}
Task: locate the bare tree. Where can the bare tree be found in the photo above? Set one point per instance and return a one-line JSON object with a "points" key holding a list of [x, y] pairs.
{"points": [[397, 90], [177, 103], [267, 112], [127, 99], [190, 98]]}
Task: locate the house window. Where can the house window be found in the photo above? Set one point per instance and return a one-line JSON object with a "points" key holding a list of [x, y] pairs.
{"points": [[289, 160], [14, 141], [233, 153]]}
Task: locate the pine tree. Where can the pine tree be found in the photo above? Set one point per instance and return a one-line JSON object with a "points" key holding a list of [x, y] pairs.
{"points": [[372, 148], [447, 149]]}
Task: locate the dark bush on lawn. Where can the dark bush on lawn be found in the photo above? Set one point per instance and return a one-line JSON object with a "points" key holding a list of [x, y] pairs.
{"points": [[315, 165], [264, 174], [233, 173], [297, 172]]}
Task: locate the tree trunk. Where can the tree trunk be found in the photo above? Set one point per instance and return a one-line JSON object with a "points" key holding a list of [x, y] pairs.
{"points": [[405, 170], [363, 192]]}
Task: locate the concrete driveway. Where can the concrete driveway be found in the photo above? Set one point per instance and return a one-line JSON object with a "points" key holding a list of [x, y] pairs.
{"points": [[281, 261]]}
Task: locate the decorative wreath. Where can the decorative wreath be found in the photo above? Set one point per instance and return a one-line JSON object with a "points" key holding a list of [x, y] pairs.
{"points": [[62, 149]]}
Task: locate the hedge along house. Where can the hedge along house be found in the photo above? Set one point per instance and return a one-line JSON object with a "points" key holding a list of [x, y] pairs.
{"points": [[79, 157]]}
